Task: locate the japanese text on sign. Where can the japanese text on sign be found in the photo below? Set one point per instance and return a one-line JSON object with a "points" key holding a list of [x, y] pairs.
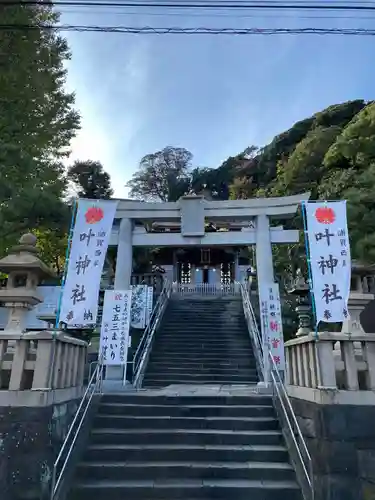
{"points": [[330, 262], [114, 333], [271, 320], [139, 306], [92, 230]]}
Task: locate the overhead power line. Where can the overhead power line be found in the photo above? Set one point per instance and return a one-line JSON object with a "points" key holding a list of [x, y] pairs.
{"points": [[221, 15], [147, 30], [204, 4]]}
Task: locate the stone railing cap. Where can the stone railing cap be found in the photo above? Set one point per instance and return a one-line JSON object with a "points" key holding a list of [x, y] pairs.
{"points": [[331, 337], [43, 335]]}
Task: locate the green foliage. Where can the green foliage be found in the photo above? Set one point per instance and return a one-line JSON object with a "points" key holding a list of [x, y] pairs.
{"points": [[37, 122], [338, 114], [90, 180], [162, 176], [304, 168], [52, 248], [355, 147], [332, 155]]}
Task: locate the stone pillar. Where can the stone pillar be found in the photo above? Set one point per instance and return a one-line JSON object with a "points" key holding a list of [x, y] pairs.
{"points": [[236, 268], [175, 267], [265, 275], [124, 263]]}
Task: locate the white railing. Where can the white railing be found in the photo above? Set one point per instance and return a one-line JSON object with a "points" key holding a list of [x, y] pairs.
{"points": [[334, 361], [142, 353], [41, 360], [291, 430], [206, 289]]}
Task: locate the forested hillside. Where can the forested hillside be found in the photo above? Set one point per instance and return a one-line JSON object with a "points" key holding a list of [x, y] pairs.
{"points": [[331, 154]]}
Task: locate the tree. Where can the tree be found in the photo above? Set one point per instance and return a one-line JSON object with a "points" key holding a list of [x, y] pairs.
{"points": [[162, 176], [37, 122], [90, 180], [304, 169], [52, 247], [355, 147]]}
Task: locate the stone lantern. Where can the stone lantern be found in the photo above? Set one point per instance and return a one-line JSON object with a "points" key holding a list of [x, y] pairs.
{"points": [[301, 290], [252, 277], [361, 293], [25, 271]]}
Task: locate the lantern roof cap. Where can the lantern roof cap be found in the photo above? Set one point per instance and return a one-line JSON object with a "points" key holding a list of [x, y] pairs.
{"points": [[24, 257], [361, 267]]}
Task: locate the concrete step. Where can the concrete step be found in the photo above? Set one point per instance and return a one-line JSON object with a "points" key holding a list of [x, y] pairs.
{"points": [[187, 411], [203, 370], [118, 471], [187, 364], [219, 360], [199, 376], [187, 489], [184, 437], [204, 333], [206, 317], [159, 383], [209, 353], [246, 363], [121, 421], [218, 343], [179, 452], [202, 325], [145, 398], [192, 378], [176, 369]]}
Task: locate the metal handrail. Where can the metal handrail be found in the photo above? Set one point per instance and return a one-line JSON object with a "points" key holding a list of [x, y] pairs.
{"points": [[144, 346], [294, 431], [253, 329], [291, 431], [93, 387]]}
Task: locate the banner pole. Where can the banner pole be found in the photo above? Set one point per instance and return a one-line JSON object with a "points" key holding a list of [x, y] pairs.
{"points": [[307, 249], [67, 255]]}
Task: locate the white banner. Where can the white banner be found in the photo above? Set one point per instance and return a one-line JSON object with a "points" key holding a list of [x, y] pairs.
{"points": [[114, 333], [330, 262], [271, 321], [139, 306], [150, 303], [92, 230]]}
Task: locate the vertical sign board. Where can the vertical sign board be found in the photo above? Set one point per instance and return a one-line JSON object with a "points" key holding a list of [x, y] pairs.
{"points": [[91, 233], [330, 262], [150, 300], [114, 333], [271, 320], [139, 306]]}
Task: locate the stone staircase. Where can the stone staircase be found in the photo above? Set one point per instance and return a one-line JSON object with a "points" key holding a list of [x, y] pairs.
{"points": [[155, 445], [202, 341]]}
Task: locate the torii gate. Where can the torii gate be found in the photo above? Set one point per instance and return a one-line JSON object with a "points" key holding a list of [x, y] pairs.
{"points": [[191, 212]]}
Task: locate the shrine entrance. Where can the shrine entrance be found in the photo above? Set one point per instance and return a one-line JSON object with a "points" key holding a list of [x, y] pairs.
{"points": [[206, 266], [206, 254]]}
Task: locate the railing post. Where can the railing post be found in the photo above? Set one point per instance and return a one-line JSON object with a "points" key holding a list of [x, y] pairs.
{"points": [[326, 364], [43, 360], [18, 365]]}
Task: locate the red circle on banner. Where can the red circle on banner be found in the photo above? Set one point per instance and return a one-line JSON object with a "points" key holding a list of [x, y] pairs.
{"points": [[94, 215], [325, 215]]}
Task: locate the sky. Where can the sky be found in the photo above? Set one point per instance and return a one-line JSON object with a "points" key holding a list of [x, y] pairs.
{"points": [[213, 95]]}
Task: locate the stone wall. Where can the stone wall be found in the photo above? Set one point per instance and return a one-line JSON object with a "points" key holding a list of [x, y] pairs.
{"points": [[30, 439], [341, 440]]}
